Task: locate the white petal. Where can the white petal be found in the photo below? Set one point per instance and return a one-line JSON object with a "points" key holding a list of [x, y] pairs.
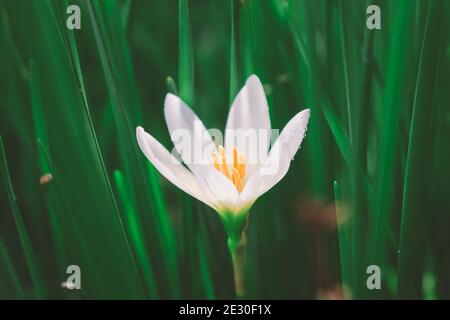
{"points": [[219, 190], [280, 158], [168, 165], [249, 111], [190, 137]]}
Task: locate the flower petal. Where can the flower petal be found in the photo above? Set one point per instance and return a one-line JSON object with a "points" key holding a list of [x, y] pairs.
{"points": [[249, 120], [168, 165], [219, 190], [190, 137], [280, 157]]}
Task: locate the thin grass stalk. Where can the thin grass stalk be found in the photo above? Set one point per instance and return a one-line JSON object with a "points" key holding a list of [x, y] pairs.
{"points": [[25, 242], [10, 274], [416, 199], [81, 173], [185, 54], [135, 232], [389, 139], [234, 36]]}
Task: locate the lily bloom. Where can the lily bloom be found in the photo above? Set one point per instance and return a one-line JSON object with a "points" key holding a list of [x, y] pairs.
{"points": [[228, 178]]}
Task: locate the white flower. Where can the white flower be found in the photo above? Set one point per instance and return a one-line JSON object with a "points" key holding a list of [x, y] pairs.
{"points": [[225, 179]]}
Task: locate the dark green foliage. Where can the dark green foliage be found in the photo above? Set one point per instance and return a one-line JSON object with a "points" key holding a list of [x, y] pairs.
{"points": [[369, 186]]}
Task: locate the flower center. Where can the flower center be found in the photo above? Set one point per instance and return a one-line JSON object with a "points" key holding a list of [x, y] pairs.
{"points": [[234, 171]]}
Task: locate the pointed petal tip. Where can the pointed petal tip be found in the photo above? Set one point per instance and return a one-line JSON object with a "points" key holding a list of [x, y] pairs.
{"points": [[170, 95], [173, 103], [253, 79], [304, 114], [307, 112], [139, 131], [171, 98]]}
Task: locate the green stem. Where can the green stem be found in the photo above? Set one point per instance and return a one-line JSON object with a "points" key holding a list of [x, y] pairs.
{"points": [[236, 227], [237, 250]]}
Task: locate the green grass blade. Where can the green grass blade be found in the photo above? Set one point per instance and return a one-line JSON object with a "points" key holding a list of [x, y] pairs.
{"points": [[344, 240], [171, 85], [135, 233], [83, 183], [395, 83], [416, 202], [118, 71], [27, 248], [185, 54], [234, 36], [9, 274]]}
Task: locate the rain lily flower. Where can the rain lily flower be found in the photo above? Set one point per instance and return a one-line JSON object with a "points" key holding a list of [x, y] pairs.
{"points": [[227, 178], [229, 186]]}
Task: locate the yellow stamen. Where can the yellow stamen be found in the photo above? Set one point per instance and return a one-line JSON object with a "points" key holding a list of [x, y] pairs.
{"points": [[223, 162], [236, 179], [236, 173], [241, 166], [216, 161]]}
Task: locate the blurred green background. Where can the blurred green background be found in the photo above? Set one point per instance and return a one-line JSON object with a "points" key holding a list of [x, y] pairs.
{"points": [[370, 185]]}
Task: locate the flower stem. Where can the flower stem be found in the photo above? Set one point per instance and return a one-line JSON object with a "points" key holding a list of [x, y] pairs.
{"points": [[237, 250]]}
